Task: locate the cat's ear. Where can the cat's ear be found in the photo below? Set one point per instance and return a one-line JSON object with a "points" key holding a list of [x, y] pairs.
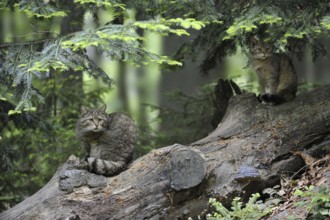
{"points": [[83, 109], [103, 108], [254, 40]]}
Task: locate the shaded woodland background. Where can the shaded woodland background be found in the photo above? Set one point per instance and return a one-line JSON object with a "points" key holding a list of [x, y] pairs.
{"points": [[168, 105]]}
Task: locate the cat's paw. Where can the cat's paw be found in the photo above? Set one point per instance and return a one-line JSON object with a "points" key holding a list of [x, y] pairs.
{"points": [[263, 98], [76, 163], [269, 99], [91, 163], [75, 174]]}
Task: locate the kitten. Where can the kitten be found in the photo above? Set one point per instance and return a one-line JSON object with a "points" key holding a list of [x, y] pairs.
{"points": [[277, 77], [108, 138]]}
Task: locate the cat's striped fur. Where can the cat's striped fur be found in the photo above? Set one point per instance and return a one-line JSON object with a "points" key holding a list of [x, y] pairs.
{"points": [[108, 138], [277, 77]]}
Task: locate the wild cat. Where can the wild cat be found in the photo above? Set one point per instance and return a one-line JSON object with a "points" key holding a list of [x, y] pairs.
{"points": [[109, 140], [277, 77]]}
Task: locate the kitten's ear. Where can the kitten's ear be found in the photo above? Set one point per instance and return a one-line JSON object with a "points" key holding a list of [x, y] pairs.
{"points": [[254, 40], [103, 108], [83, 109]]}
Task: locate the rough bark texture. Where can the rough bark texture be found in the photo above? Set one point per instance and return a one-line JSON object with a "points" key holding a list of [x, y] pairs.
{"points": [[247, 152]]}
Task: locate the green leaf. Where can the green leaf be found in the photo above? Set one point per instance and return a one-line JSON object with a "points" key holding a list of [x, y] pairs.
{"points": [[39, 9], [298, 192], [13, 112], [180, 32], [326, 22], [98, 3], [32, 109]]}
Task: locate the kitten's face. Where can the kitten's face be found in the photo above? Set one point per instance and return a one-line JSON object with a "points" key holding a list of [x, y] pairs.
{"points": [[260, 50], [93, 119]]}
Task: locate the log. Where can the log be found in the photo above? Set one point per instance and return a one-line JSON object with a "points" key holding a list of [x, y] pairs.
{"points": [[248, 151]]}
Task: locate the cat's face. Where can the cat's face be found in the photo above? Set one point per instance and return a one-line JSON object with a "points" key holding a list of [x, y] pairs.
{"points": [[93, 119], [260, 50]]}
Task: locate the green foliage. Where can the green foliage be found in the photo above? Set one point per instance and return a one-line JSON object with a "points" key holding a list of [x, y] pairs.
{"points": [[38, 156], [7, 157], [315, 200], [34, 152], [252, 210], [289, 24], [40, 9], [23, 65], [250, 22], [25, 62], [203, 10], [97, 3], [163, 26], [326, 22]]}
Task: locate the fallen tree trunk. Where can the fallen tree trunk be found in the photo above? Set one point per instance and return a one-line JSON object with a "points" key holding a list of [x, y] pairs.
{"points": [[249, 151]]}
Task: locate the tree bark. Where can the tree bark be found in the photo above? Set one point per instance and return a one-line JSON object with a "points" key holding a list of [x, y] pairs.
{"points": [[249, 151]]}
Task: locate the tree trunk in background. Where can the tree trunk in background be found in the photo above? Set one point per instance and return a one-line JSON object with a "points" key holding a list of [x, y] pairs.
{"points": [[2, 33], [74, 79], [122, 86], [322, 65], [249, 151], [122, 77], [314, 72]]}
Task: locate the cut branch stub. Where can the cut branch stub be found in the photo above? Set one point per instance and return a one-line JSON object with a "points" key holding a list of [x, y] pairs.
{"points": [[187, 169]]}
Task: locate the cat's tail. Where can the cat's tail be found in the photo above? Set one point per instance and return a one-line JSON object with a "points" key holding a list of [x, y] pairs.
{"points": [[105, 167]]}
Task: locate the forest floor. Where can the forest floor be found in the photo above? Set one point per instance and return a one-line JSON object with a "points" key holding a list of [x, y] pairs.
{"points": [[304, 195]]}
